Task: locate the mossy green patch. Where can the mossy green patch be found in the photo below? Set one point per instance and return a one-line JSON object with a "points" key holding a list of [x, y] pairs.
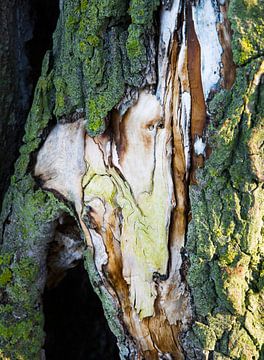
{"points": [[225, 240], [205, 335], [141, 12], [23, 253], [241, 346], [97, 53], [21, 325], [247, 23], [26, 227]]}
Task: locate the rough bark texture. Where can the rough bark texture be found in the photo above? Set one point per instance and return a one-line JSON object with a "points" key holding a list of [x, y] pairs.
{"points": [[225, 236], [152, 142]]}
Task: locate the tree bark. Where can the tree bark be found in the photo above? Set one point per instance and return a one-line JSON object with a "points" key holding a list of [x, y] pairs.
{"points": [[146, 130]]}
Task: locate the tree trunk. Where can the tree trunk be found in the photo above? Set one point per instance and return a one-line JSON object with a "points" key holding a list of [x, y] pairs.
{"points": [[143, 154]]}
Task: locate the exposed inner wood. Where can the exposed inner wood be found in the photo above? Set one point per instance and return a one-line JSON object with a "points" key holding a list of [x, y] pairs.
{"points": [[198, 112], [139, 192], [130, 187], [229, 68]]}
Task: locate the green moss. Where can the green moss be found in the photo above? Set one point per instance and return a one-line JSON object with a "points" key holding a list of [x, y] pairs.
{"points": [[241, 345], [25, 236], [254, 319], [26, 222], [141, 12], [261, 279], [21, 325], [60, 87], [135, 47], [38, 118], [247, 23], [21, 320], [88, 67], [219, 356], [205, 335], [220, 323], [5, 277], [202, 285], [224, 236], [231, 284], [97, 53], [93, 40]]}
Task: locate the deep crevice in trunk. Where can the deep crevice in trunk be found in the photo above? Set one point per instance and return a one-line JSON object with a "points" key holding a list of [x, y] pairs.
{"points": [[75, 325], [44, 14]]}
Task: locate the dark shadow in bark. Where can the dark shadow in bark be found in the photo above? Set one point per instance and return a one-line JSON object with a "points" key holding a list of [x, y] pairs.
{"points": [[26, 34], [75, 325], [44, 14], [74, 321]]}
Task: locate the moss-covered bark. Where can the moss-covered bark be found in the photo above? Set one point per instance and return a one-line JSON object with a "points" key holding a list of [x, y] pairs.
{"points": [[26, 227], [225, 235], [100, 48]]}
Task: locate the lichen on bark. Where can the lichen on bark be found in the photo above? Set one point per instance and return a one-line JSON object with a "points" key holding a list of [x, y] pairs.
{"points": [[225, 235], [27, 224], [247, 23], [95, 56]]}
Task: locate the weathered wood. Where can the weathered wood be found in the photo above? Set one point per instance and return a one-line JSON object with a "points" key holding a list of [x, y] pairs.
{"points": [[127, 192]]}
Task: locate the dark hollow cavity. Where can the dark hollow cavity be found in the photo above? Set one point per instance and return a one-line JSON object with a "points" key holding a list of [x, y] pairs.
{"points": [[74, 321], [44, 14], [75, 325]]}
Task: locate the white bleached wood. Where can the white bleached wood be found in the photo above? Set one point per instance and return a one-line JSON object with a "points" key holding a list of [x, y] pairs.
{"points": [[60, 161], [185, 121], [199, 146], [211, 50], [168, 23]]}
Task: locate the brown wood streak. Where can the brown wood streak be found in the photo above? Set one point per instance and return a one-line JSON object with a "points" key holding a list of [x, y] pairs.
{"points": [[228, 71], [178, 226], [114, 269], [162, 334], [198, 111]]}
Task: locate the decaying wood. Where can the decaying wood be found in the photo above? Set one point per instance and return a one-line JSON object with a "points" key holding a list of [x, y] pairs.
{"points": [[127, 197], [130, 185]]}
